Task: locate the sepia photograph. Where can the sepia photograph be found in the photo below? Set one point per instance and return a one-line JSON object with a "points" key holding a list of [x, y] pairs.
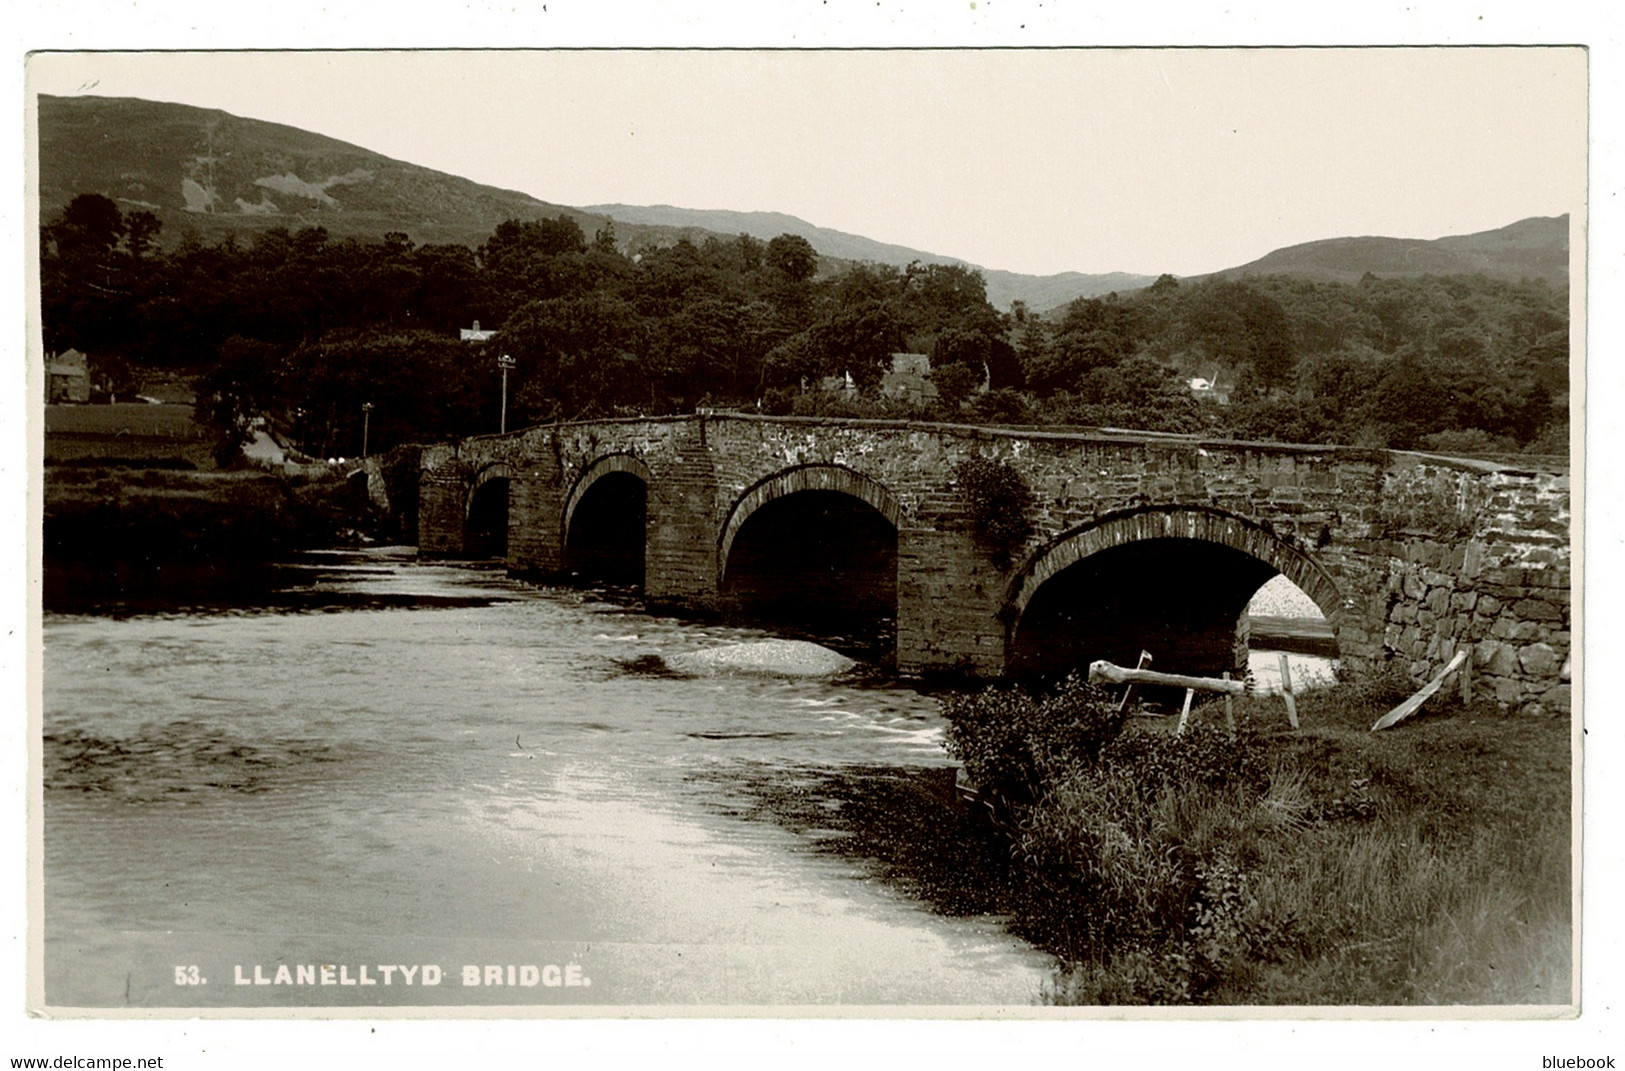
{"points": [[1021, 532]]}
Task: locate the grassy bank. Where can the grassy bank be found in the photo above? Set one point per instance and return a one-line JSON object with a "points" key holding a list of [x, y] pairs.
{"points": [[150, 515], [1429, 864]]}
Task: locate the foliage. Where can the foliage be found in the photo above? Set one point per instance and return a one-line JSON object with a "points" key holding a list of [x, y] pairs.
{"points": [[1329, 865], [998, 503], [954, 385], [792, 256], [1153, 888], [1014, 744], [402, 470], [1437, 514], [157, 516], [1384, 363], [1162, 762]]}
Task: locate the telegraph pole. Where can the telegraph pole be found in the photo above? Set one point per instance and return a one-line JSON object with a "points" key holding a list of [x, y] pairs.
{"points": [[505, 362], [366, 425]]}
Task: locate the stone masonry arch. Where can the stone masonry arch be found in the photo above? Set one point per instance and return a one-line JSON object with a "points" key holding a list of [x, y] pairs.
{"points": [[1147, 535], [499, 470], [487, 511], [814, 477], [591, 474], [1200, 523], [1413, 558]]}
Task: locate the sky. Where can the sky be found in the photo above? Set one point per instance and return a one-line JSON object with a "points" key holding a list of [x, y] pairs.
{"points": [[1032, 160]]}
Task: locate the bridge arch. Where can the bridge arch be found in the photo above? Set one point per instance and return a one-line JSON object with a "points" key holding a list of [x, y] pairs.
{"points": [[602, 527], [1178, 577], [813, 546], [485, 511], [813, 477]]}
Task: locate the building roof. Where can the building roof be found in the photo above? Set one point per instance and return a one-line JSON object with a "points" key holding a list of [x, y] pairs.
{"points": [[68, 363]]}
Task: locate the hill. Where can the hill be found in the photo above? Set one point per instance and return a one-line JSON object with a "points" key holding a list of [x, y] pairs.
{"points": [[1535, 248], [1003, 287], [213, 173], [208, 172]]}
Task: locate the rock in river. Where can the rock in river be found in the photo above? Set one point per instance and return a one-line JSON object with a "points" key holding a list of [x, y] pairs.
{"points": [[784, 658]]}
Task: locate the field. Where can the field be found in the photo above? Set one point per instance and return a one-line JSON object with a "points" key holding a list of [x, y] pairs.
{"points": [[128, 431]]}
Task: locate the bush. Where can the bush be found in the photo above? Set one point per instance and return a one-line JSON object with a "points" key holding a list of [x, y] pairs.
{"points": [[1429, 865], [998, 503], [779, 401], [1002, 406], [1154, 885], [1015, 745], [1128, 848], [1201, 756], [1470, 441]]}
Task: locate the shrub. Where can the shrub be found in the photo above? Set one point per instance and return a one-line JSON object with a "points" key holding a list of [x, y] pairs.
{"points": [[998, 502], [1469, 441], [1201, 756], [779, 401], [1158, 889], [1014, 745], [1129, 849], [1429, 865], [1002, 406]]}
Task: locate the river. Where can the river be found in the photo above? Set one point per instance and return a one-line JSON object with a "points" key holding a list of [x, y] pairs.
{"points": [[401, 771]]}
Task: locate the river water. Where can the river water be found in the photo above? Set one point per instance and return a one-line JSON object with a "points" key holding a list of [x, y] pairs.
{"points": [[407, 770]]}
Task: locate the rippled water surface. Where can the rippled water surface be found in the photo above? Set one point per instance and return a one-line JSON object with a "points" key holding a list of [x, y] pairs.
{"points": [[413, 765]]}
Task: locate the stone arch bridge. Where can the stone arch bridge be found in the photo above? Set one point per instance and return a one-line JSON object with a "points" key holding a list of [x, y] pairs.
{"points": [[1138, 540]]}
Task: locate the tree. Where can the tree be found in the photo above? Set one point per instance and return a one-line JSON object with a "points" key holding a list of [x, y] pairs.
{"points": [[247, 380], [797, 360], [793, 257], [983, 351], [90, 228], [1404, 406], [750, 251], [141, 233], [955, 383], [111, 374], [861, 340], [576, 352]]}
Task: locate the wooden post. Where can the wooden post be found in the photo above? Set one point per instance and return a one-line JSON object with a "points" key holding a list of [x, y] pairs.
{"points": [[1414, 703], [1128, 693], [1105, 671], [1286, 692], [1229, 712], [1185, 715]]}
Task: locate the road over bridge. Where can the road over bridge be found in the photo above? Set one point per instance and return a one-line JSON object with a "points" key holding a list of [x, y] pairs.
{"points": [[1137, 540]]}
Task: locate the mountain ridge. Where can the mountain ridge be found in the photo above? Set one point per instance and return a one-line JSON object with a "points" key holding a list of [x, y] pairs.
{"points": [[1534, 247], [210, 172], [1003, 287]]}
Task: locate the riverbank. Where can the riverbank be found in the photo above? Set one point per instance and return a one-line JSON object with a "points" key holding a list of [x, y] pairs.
{"points": [[1426, 865], [110, 532]]}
